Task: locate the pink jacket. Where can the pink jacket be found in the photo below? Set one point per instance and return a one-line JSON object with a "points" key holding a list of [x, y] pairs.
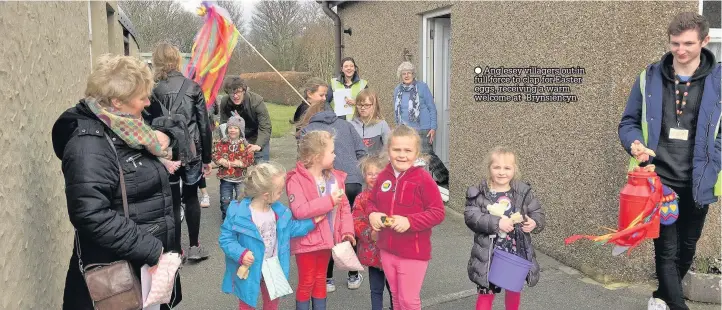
{"points": [[305, 203]]}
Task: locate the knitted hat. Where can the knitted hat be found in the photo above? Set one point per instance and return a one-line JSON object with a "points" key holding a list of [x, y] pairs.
{"points": [[236, 121]]}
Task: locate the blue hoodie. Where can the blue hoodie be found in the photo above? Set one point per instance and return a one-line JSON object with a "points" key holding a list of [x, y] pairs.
{"points": [[239, 234], [349, 147]]}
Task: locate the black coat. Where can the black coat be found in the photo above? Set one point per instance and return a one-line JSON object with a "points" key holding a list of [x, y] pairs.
{"points": [[94, 201], [192, 106], [485, 227]]}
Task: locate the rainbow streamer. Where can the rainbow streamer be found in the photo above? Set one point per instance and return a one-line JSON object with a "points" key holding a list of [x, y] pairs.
{"points": [[636, 231], [212, 49]]}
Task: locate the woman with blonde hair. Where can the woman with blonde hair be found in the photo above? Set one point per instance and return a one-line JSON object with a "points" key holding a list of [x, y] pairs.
{"points": [[176, 94], [109, 156]]}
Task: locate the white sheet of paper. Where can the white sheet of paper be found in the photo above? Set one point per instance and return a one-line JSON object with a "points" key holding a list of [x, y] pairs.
{"points": [[145, 281], [339, 102]]}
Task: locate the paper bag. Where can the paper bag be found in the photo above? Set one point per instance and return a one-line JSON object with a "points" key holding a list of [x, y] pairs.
{"points": [[275, 279], [344, 257], [145, 286]]}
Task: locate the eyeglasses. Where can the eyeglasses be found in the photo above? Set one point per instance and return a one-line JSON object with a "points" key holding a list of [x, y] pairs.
{"points": [[364, 106]]}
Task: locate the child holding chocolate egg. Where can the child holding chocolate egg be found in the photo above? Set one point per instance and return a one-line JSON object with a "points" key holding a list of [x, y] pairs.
{"points": [[502, 212]]}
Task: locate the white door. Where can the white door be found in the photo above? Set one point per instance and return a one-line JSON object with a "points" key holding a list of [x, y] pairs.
{"points": [[441, 68]]}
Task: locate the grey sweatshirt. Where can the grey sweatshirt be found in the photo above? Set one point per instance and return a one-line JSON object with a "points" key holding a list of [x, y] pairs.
{"points": [[375, 136], [349, 146]]}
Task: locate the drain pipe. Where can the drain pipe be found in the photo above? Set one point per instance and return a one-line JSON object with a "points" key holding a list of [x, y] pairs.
{"points": [[337, 32]]}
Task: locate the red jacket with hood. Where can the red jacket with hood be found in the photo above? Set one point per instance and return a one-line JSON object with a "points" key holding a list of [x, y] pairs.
{"points": [[414, 195]]}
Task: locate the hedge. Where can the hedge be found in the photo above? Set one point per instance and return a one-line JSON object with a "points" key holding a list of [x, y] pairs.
{"points": [[274, 89]]}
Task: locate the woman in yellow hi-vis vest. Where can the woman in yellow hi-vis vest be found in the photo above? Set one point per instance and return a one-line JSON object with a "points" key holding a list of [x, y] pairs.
{"points": [[347, 79]]}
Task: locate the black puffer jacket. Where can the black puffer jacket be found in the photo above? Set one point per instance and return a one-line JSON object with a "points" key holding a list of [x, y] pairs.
{"points": [[192, 106], [94, 200], [485, 225]]}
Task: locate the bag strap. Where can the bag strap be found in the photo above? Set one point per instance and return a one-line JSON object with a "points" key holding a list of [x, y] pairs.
{"points": [[181, 93], [125, 202]]}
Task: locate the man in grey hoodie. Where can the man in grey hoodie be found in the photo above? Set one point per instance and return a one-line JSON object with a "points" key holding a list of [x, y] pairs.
{"points": [[349, 148]]}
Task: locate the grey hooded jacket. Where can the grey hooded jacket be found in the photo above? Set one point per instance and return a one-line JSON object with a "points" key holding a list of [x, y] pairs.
{"points": [[485, 227], [348, 145]]}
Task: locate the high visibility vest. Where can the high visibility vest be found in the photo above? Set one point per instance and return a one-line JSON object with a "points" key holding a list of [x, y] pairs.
{"points": [[355, 89], [633, 162]]}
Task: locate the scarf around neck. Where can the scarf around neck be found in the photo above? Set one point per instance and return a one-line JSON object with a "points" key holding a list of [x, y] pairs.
{"points": [[413, 102], [133, 131]]}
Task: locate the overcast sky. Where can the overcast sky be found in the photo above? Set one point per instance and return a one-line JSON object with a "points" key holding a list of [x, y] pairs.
{"points": [[192, 5]]}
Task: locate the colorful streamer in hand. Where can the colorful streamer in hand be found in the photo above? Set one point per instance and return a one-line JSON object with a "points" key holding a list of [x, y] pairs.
{"points": [[212, 49], [633, 235]]}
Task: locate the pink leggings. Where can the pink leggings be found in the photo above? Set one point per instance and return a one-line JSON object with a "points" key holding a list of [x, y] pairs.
{"points": [[405, 277], [511, 301], [268, 304]]}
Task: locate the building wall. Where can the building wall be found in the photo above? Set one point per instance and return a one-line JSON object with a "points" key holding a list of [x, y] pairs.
{"points": [[41, 75], [569, 152], [134, 51]]}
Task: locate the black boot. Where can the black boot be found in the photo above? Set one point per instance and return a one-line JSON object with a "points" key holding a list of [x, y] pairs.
{"points": [[319, 303]]}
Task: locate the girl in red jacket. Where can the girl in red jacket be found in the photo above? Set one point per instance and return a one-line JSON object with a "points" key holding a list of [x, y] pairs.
{"points": [[403, 206], [314, 188], [368, 252]]}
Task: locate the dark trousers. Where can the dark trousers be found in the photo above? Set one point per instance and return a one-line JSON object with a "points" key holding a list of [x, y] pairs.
{"points": [[352, 190], [189, 196], [229, 191], [377, 282], [674, 249]]}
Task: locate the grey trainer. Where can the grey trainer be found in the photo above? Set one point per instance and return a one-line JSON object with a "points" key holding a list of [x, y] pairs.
{"points": [[197, 253]]}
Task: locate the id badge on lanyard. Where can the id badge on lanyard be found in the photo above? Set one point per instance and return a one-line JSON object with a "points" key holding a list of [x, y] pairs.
{"points": [[678, 133]]}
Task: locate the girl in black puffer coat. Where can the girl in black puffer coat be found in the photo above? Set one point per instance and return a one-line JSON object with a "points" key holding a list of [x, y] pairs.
{"points": [[491, 231], [92, 181]]}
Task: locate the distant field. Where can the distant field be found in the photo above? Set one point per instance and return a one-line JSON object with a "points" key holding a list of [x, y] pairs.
{"points": [[280, 115]]}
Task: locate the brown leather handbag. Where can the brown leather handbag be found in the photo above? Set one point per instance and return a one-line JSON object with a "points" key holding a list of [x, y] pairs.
{"points": [[113, 286]]}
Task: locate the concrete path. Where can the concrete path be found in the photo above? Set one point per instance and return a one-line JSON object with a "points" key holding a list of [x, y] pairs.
{"points": [[446, 285]]}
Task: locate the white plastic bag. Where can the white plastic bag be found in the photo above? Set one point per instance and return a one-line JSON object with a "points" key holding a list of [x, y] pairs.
{"points": [[275, 279], [344, 257]]}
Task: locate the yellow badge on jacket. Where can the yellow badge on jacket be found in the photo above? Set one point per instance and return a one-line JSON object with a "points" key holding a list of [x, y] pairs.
{"points": [[386, 186]]}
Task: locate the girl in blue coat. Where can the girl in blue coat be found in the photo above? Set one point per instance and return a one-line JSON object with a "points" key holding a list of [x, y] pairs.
{"points": [[257, 228]]}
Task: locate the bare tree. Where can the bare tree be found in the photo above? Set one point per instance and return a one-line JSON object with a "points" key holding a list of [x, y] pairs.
{"points": [[158, 21], [275, 28]]}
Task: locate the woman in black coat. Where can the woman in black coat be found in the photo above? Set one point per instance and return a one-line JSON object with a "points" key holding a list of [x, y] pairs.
{"points": [[117, 87]]}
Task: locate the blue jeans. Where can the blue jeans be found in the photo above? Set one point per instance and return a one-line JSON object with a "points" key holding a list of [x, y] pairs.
{"points": [[377, 282], [264, 155], [229, 191]]}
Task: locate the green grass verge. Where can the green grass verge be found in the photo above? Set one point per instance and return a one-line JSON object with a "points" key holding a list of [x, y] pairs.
{"points": [[280, 114]]}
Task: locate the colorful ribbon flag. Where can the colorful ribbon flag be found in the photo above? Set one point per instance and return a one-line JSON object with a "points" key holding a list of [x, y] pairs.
{"points": [[212, 49]]}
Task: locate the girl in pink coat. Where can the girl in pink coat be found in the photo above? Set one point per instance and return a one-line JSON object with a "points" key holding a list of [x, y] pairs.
{"points": [[314, 188]]}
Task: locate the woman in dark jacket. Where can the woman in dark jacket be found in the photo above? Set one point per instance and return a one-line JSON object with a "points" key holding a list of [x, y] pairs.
{"points": [[117, 88], [192, 105]]}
